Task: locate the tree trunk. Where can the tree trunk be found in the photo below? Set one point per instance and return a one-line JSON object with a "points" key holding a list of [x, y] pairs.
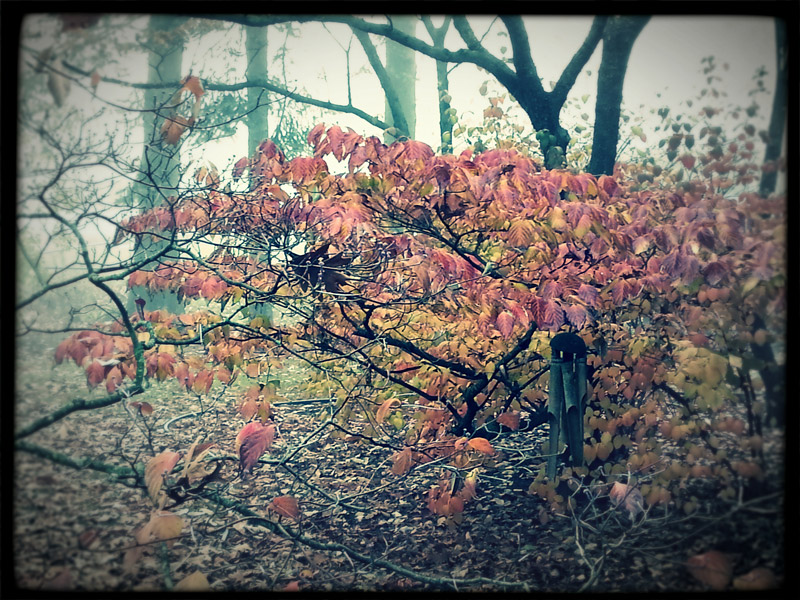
{"points": [[618, 39], [777, 121], [160, 164], [438, 35], [257, 117], [402, 69]]}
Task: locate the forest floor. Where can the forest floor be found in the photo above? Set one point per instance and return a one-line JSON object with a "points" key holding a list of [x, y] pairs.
{"points": [[71, 528]]}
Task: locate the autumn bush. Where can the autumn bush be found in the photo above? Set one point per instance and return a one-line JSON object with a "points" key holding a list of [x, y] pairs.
{"points": [[442, 279]]}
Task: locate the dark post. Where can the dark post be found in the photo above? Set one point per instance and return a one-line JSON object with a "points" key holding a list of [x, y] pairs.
{"points": [[567, 398]]}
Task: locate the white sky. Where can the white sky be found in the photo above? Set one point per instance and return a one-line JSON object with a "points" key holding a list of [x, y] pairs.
{"points": [[665, 60]]}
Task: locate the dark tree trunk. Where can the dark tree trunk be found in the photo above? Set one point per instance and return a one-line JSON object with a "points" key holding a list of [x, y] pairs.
{"points": [[777, 122], [618, 39]]}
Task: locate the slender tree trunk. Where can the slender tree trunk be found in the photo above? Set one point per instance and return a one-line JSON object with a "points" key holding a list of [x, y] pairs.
{"points": [[402, 69], [160, 165], [257, 117], [442, 84], [777, 122], [618, 39]]}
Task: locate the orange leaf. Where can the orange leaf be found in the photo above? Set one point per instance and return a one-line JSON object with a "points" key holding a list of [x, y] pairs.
{"points": [[173, 128], [286, 506], [143, 407], [95, 374], [157, 467], [385, 408], [196, 582], [192, 84], [481, 445], [292, 586], [712, 568]]}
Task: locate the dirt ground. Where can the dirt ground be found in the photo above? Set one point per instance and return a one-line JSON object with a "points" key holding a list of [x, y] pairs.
{"points": [[72, 528]]}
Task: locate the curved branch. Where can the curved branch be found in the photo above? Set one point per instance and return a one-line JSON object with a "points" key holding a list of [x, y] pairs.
{"points": [[398, 115], [579, 60], [523, 61], [74, 406]]}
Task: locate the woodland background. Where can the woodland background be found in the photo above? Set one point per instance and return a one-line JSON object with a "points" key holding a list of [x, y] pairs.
{"points": [[286, 284]]}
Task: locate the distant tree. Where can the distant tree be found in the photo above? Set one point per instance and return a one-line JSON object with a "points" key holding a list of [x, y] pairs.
{"points": [[402, 70], [777, 121], [160, 162]]}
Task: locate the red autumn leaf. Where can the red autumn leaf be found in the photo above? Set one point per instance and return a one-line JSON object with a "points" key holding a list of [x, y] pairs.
{"points": [[481, 445], [239, 167], [505, 323], [712, 568], [455, 505], [509, 419], [521, 233], [252, 441], [630, 497], [113, 379], [62, 350], [173, 129], [78, 352], [576, 315], [156, 468], [286, 506], [143, 407], [688, 161], [95, 374], [292, 586]]}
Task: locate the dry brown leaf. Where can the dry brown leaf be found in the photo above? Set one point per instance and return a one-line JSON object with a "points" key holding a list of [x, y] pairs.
{"points": [[163, 525], [384, 409], [196, 582], [712, 568], [61, 582], [759, 579], [173, 128], [156, 468], [58, 85], [286, 506], [481, 445], [95, 81], [630, 497]]}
